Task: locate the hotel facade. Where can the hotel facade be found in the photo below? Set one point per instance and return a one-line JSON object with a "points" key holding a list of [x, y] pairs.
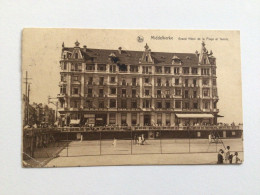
{"points": [[100, 87]]}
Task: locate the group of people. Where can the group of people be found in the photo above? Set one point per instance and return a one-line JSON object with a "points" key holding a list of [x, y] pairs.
{"points": [[139, 139], [225, 157]]}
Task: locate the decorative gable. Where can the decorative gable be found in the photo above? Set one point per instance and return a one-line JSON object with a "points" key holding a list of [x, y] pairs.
{"points": [[146, 57], [76, 54], [203, 57]]}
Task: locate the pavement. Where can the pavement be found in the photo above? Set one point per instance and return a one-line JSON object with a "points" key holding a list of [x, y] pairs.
{"points": [[154, 152]]}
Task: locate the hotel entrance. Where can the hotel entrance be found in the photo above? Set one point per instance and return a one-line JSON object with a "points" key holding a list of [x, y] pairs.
{"points": [[147, 119]]}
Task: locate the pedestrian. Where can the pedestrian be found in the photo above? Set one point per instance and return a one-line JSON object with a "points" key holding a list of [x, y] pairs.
{"points": [[114, 142], [227, 154], [135, 139], [235, 159], [220, 156], [81, 137]]}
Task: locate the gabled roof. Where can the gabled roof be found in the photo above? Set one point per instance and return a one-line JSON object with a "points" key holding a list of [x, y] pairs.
{"points": [[133, 57]]}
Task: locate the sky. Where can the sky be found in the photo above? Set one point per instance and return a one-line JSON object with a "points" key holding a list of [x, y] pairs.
{"points": [[41, 52]]}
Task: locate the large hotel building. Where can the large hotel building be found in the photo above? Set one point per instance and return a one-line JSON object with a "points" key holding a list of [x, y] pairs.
{"points": [[101, 87]]}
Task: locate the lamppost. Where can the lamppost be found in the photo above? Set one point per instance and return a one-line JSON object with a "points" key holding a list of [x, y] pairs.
{"points": [[50, 101]]}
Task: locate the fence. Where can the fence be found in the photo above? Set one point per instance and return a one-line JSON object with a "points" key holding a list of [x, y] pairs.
{"points": [[41, 147]]}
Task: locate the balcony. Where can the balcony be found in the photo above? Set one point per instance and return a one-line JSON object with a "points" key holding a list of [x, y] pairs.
{"points": [[61, 95], [75, 95], [62, 83]]}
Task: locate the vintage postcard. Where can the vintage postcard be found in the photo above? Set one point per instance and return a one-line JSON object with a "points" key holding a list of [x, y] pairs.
{"points": [[95, 97]]}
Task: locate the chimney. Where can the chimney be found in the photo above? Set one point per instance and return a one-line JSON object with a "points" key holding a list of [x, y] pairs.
{"points": [[120, 50], [84, 48]]}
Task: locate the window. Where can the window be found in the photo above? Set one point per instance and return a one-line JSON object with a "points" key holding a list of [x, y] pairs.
{"points": [[65, 65], [133, 68], [177, 104], [167, 83], [168, 119], [146, 104], [123, 103], [146, 80], [158, 93], [101, 80], [134, 118], [123, 92], [101, 92], [176, 70], [145, 69], [63, 90], [113, 91], [101, 104], [194, 94], [158, 69], [194, 82], [112, 103], [186, 70], [134, 104], [186, 105], [89, 92], [123, 119], [159, 119], [75, 91], [123, 82], [177, 91], [214, 82], [186, 94], [168, 105], [159, 81], [186, 82], [90, 80], [205, 92], [112, 68], [134, 81], [90, 67], [112, 118], [204, 71], [205, 81], [215, 105], [76, 55], [194, 70], [167, 70], [214, 93], [167, 93], [133, 93], [195, 105], [89, 104], [101, 67], [63, 78], [112, 79], [159, 104], [177, 81], [147, 92], [75, 78], [213, 71], [206, 105], [75, 104], [205, 61]]}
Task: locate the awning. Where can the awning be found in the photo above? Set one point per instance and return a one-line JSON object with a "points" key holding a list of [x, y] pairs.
{"points": [[74, 122], [194, 115]]}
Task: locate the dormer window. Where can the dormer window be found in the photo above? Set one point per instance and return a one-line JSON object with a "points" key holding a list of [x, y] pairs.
{"points": [[205, 61], [76, 55]]}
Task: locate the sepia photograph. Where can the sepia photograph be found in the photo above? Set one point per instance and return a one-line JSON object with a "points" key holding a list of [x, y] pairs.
{"points": [[102, 97]]}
